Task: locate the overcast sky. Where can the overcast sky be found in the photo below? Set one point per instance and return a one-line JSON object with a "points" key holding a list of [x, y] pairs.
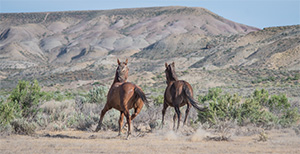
{"points": [[257, 13]]}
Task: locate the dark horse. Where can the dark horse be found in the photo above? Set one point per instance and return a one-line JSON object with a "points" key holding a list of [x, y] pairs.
{"points": [[123, 96], [177, 94]]}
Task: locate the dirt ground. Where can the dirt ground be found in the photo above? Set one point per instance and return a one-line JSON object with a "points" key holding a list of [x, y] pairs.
{"points": [[279, 141]]}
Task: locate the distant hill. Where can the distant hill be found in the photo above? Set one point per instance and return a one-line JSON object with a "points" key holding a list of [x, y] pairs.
{"points": [[271, 48], [62, 47], [63, 37]]}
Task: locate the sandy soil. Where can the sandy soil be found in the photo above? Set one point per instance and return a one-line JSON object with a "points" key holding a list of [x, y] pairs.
{"points": [[279, 141]]}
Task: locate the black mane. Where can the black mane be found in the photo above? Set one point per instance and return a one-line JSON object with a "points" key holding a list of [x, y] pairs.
{"points": [[171, 74]]}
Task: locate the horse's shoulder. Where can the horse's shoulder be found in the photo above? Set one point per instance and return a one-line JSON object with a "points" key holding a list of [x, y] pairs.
{"points": [[178, 83], [182, 82]]}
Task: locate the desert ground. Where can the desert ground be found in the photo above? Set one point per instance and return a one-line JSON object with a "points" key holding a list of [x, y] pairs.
{"points": [[159, 141]]}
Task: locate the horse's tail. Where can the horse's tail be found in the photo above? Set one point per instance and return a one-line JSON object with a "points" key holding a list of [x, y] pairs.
{"points": [[191, 99], [141, 95]]}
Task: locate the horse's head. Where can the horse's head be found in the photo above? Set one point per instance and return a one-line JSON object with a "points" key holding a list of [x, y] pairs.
{"points": [[122, 71], [170, 72]]}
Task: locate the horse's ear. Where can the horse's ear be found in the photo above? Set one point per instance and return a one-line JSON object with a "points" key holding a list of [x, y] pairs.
{"points": [[166, 64], [126, 61], [118, 61], [173, 64]]}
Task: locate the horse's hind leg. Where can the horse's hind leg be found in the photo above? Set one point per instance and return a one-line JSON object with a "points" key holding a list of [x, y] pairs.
{"points": [[127, 115], [178, 115], [186, 113], [136, 112], [104, 110], [163, 114], [121, 122], [174, 119]]}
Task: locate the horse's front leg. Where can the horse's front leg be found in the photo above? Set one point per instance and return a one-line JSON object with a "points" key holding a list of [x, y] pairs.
{"points": [[104, 110], [121, 122], [128, 118]]}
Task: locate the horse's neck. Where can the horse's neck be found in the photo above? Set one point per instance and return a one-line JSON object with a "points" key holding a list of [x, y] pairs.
{"points": [[117, 79], [173, 76], [173, 79]]}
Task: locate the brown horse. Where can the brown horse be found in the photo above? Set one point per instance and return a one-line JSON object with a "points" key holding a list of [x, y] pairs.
{"points": [[177, 94], [123, 96]]}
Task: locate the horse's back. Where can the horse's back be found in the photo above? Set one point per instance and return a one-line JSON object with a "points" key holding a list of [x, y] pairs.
{"points": [[128, 86], [178, 87], [176, 90], [118, 88]]}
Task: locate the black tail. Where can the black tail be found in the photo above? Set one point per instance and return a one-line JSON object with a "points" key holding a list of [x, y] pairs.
{"points": [[141, 94], [191, 99]]}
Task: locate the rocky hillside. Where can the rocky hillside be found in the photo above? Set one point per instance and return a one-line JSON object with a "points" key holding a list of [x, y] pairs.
{"points": [[270, 48], [67, 47], [31, 39]]}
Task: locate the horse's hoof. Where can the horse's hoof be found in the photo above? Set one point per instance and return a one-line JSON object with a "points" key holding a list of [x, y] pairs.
{"points": [[97, 129], [128, 136], [161, 126]]}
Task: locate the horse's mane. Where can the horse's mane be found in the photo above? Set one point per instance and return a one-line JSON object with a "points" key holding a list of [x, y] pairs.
{"points": [[171, 73]]}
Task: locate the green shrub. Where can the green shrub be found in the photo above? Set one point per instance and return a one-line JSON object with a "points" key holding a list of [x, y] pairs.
{"points": [[252, 111], [57, 95], [212, 95], [158, 100], [97, 95], [27, 95], [8, 112], [27, 106], [277, 103], [289, 117], [260, 109], [22, 103], [261, 96], [221, 107]]}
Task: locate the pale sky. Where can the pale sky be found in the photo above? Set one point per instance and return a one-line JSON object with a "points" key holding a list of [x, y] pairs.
{"points": [[257, 13]]}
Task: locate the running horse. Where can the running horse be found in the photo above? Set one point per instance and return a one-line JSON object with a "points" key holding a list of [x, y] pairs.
{"points": [[123, 96], [177, 94]]}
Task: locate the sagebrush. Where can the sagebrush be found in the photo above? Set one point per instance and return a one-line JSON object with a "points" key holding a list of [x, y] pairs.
{"points": [[260, 109]]}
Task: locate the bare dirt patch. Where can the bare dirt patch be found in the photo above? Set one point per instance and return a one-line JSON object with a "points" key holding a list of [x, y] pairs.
{"points": [[161, 141]]}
